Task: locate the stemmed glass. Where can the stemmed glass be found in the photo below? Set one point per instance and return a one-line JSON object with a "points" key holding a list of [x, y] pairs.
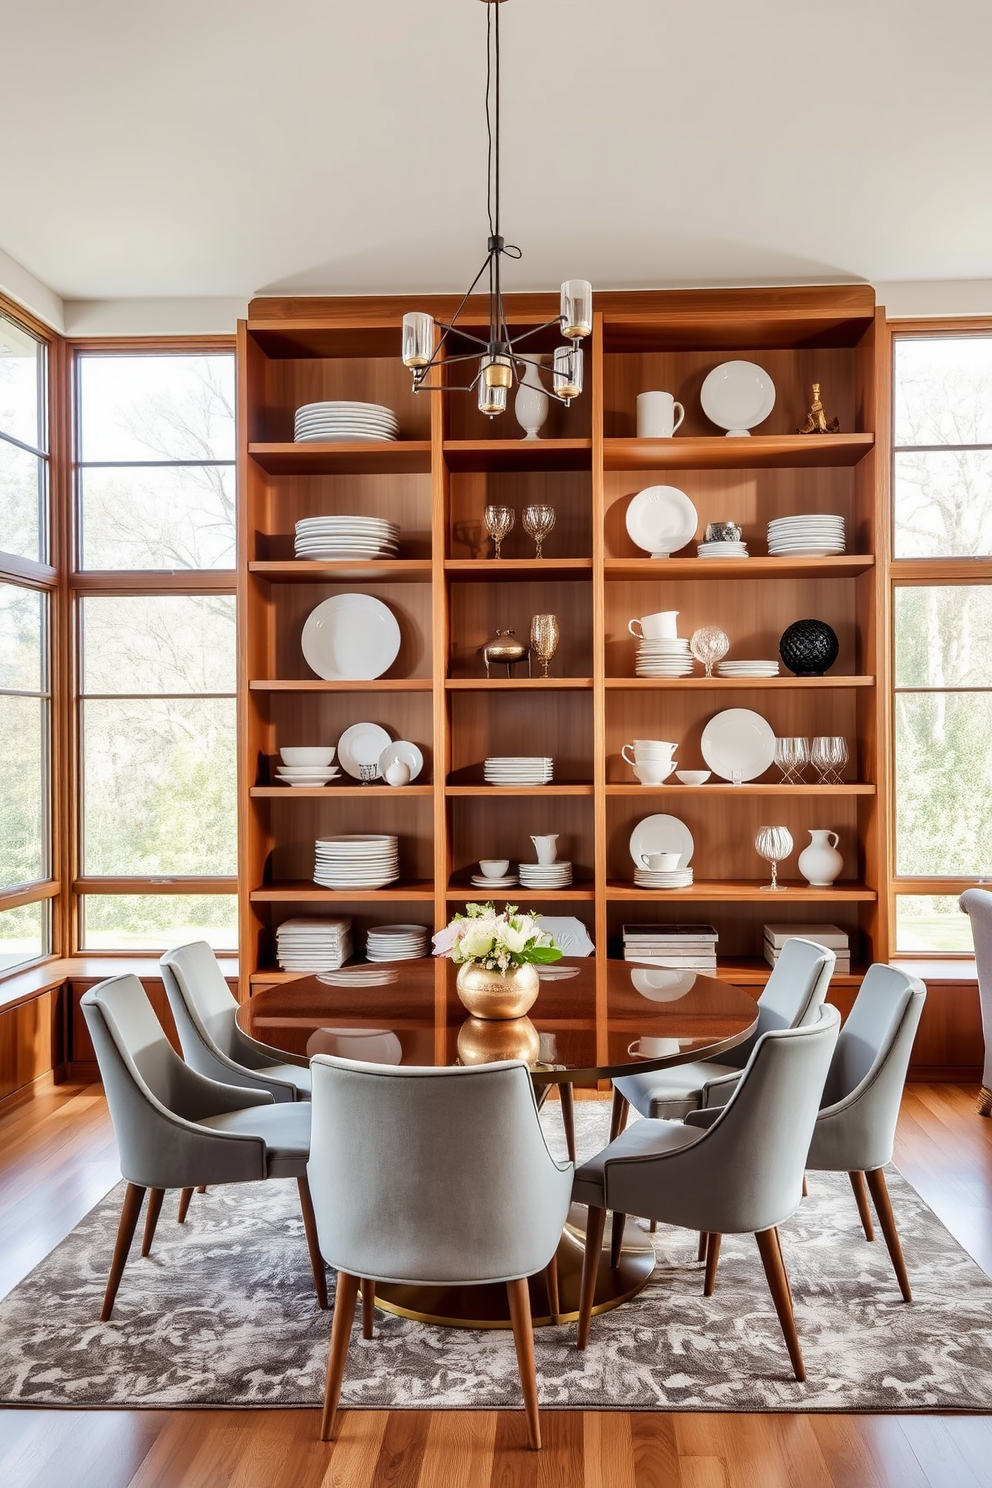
{"points": [[792, 757], [829, 756], [708, 645], [544, 637], [368, 773], [774, 844], [537, 521], [499, 521]]}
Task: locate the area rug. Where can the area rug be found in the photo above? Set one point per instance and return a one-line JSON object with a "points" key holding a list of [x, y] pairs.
{"points": [[223, 1314]]}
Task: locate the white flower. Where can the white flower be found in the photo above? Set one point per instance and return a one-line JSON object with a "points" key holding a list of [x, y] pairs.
{"points": [[477, 938], [445, 939]]}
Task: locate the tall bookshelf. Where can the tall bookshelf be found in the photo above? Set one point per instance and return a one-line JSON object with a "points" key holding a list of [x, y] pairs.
{"points": [[435, 481]]}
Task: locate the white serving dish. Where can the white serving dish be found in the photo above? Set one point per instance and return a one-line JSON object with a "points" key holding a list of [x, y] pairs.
{"points": [[299, 754], [738, 739], [661, 519], [351, 637], [737, 396]]}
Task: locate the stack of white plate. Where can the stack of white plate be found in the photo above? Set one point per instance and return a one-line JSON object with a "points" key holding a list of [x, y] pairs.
{"points": [[312, 944], [328, 538], [357, 860], [747, 668], [342, 422], [308, 775], [663, 659], [518, 769], [482, 882], [545, 875], [396, 943], [678, 878], [722, 550], [356, 976], [814, 536]]}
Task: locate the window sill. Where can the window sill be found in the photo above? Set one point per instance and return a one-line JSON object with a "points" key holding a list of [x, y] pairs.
{"points": [[46, 976]]}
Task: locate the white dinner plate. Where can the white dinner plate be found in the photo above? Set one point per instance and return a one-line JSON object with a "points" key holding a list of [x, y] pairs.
{"points": [[661, 834], [738, 739], [403, 752], [661, 519], [351, 637], [361, 744], [737, 396]]}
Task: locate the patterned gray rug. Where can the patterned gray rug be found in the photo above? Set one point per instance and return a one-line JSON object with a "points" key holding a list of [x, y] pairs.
{"points": [[222, 1314]]}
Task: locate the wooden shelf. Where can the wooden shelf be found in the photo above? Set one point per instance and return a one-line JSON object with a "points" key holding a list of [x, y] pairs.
{"points": [[304, 891], [518, 894], [325, 792], [360, 570], [306, 684], [489, 571], [518, 684], [750, 890], [759, 452], [724, 787], [390, 457], [520, 790], [845, 565], [734, 684], [518, 454]]}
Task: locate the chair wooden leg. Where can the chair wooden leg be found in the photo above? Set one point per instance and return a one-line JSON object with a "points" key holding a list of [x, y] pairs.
{"points": [[883, 1208], [344, 1316], [618, 1114], [864, 1208], [778, 1285], [131, 1208], [703, 1246], [985, 1101], [184, 1198], [551, 1276], [616, 1238], [155, 1197], [518, 1296], [201, 1188], [805, 1187], [595, 1225], [567, 1096], [368, 1307], [712, 1261], [313, 1245], [653, 1226]]}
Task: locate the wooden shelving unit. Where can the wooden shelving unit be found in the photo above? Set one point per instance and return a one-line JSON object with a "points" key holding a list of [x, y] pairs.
{"points": [[450, 595]]}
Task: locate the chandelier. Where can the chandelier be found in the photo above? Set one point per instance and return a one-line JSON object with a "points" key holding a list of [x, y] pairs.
{"points": [[498, 363]]}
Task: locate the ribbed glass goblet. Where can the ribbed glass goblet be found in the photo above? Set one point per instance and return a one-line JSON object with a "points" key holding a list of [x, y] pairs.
{"points": [[792, 757], [499, 522], [774, 844], [709, 644], [829, 756], [538, 521], [544, 637]]}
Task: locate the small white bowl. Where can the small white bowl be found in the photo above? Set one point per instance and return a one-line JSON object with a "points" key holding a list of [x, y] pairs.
{"points": [[494, 867], [308, 756], [693, 777]]}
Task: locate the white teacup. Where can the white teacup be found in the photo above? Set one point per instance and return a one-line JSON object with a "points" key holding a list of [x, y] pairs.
{"points": [[653, 772], [661, 862], [494, 867], [653, 1048], [663, 625], [546, 848], [648, 752], [656, 415]]}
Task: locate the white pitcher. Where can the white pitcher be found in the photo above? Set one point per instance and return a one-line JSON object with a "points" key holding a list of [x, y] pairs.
{"points": [[546, 848], [820, 863]]}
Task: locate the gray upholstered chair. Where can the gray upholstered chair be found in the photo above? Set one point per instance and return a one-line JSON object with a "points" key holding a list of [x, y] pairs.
{"points": [[977, 905], [742, 1173], [177, 1129], [433, 1177], [792, 997], [204, 1011]]}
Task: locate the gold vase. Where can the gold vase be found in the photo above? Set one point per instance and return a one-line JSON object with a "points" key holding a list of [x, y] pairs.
{"points": [[497, 994], [483, 1041]]}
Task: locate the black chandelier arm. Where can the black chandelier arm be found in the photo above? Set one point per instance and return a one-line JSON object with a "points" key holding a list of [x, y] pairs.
{"points": [[555, 320]]}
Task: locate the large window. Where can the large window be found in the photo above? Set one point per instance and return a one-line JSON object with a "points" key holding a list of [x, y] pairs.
{"points": [[942, 619], [155, 628]]}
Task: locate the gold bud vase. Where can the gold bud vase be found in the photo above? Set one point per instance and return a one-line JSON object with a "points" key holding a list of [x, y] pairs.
{"points": [[497, 994]]}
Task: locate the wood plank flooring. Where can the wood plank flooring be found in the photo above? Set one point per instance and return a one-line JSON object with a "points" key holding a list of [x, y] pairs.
{"points": [[58, 1158]]}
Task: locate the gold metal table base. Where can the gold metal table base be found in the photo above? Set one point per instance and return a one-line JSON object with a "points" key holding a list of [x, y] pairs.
{"points": [[486, 1306]]}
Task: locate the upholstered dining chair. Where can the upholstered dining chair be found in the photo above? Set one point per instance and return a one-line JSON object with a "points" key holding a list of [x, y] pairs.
{"points": [[433, 1177], [204, 1011], [177, 1129], [792, 997], [977, 905], [742, 1173]]}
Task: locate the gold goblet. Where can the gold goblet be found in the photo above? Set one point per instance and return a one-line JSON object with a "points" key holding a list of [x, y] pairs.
{"points": [[499, 521], [544, 637], [538, 521]]}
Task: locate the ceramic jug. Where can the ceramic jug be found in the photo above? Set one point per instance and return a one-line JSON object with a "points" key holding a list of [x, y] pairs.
{"points": [[820, 863], [531, 404]]}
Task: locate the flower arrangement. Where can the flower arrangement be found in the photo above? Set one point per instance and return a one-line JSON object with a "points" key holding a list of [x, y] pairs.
{"points": [[494, 941]]}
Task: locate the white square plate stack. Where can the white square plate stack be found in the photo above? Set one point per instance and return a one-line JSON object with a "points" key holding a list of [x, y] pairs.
{"points": [[396, 943], [326, 539], [816, 535], [518, 770], [342, 422], [664, 658], [545, 875], [677, 878], [357, 861], [312, 944], [747, 668]]}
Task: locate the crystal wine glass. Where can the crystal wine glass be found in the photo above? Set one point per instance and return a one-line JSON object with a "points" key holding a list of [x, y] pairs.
{"points": [[537, 521], [774, 844], [499, 522], [792, 757], [708, 645], [829, 756], [544, 637]]}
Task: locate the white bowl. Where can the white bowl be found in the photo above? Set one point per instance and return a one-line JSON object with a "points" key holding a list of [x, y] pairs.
{"points": [[693, 777], [653, 772], [308, 756], [494, 867]]}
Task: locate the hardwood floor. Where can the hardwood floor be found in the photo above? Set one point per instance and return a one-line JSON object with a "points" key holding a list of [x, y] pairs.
{"points": [[58, 1157]]}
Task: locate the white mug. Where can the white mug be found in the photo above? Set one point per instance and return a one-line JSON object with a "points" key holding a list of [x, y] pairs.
{"points": [[653, 1048], [653, 772], [662, 626], [656, 415], [657, 755], [663, 862], [548, 1051], [546, 848]]}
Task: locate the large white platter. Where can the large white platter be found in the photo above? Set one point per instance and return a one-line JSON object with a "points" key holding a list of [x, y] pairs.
{"points": [[661, 834], [661, 519], [738, 739], [351, 637], [737, 395], [361, 744]]}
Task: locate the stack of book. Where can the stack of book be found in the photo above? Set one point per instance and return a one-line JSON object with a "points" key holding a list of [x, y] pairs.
{"points": [[830, 936], [691, 946]]}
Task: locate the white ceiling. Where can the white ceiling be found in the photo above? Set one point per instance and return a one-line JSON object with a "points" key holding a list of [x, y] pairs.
{"points": [[231, 147]]}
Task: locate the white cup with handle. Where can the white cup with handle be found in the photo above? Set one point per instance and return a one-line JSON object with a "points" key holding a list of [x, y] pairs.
{"points": [[653, 1048], [661, 862], [661, 626], [648, 752], [656, 415]]}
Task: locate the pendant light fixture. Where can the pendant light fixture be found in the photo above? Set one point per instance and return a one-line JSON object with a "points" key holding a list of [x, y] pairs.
{"points": [[496, 364]]}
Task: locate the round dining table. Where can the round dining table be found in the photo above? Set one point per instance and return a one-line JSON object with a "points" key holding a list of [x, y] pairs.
{"points": [[404, 1013]]}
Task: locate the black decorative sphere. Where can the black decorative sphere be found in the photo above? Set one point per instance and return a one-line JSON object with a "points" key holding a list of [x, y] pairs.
{"points": [[809, 648]]}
